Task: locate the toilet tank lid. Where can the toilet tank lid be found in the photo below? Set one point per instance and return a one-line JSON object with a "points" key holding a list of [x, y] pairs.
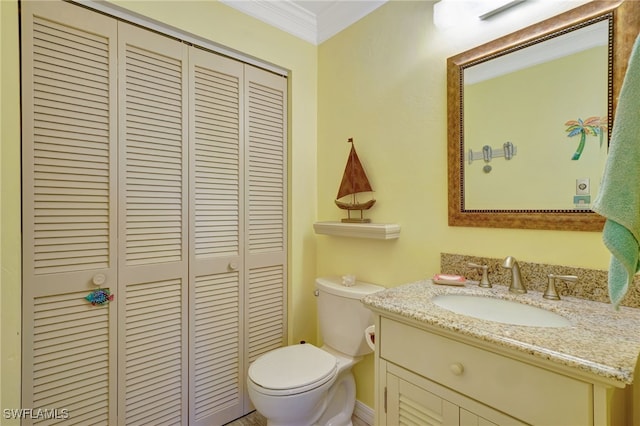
{"points": [[333, 285]]}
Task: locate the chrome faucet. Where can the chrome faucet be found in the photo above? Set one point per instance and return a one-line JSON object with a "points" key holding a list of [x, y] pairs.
{"points": [[516, 278]]}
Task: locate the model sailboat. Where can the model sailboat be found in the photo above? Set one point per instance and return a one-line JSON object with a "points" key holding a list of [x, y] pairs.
{"points": [[354, 181]]}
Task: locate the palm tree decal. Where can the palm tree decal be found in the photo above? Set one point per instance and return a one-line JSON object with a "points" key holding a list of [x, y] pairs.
{"points": [[594, 126]]}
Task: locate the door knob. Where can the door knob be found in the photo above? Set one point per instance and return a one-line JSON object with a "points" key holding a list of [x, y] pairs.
{"points": [[99, 279]]}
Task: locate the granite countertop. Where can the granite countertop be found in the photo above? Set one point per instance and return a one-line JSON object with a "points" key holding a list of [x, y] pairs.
{"points": [[600, 341]]}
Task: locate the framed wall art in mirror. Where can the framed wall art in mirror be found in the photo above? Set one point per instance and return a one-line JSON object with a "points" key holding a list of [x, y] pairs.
{"points": [[529, 115]]}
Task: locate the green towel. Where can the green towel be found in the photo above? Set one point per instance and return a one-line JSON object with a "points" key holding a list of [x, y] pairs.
{"points": [[619, 197]]}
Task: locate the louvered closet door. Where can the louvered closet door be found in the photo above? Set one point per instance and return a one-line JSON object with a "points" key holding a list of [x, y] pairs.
{"points": [[152, 315], [216, 369], [266, 218], [69, 195]]}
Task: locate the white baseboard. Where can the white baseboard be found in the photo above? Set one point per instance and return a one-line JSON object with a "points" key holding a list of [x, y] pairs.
{"points": [[364, 413]]}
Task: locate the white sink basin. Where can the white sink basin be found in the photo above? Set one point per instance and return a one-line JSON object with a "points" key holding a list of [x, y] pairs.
{"points": [[500, 310]]}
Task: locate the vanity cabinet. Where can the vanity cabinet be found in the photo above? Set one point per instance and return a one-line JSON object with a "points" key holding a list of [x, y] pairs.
{"points": [[428, 377]]}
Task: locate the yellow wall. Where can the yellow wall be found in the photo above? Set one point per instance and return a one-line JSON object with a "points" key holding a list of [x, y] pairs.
{"points": [[382, 81], [212, 21], [9, 207]]}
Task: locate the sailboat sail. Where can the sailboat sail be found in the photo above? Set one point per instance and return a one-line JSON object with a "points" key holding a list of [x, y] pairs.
{"points": [[354, 179]]}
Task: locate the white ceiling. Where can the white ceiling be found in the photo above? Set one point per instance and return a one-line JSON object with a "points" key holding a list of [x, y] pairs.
{"points": [[312, 20]]}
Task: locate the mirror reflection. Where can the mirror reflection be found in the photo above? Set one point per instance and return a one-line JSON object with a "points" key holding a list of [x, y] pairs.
{"points": [[535, 123]]}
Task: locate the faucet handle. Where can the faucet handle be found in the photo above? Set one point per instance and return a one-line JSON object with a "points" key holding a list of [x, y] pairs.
{"points": [[551, 293], [484, 281]]}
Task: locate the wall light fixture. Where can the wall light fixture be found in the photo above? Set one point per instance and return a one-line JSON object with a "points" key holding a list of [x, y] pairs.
{"points": [[449, 13]]}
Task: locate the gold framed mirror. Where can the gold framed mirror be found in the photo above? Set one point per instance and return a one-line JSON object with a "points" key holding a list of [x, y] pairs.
{"points": [[621, 23]]}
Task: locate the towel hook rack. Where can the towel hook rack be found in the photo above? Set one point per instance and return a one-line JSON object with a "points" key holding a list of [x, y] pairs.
{"points": [[508, 150]]}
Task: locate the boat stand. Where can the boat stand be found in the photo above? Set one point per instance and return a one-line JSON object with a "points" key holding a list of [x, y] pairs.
{"points": [[360, 219]]}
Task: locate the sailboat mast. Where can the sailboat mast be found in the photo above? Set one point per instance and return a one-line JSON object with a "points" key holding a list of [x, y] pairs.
{"points": [[352, 172]]}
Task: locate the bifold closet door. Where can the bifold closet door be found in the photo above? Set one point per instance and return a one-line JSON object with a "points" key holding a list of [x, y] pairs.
{"points": [[265, 243], [153, 231], [216, 265], [155, 170], [69, 195]]}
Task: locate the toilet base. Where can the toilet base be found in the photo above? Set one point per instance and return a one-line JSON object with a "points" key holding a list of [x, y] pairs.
{"points": [[291, 410], [341, 401]]}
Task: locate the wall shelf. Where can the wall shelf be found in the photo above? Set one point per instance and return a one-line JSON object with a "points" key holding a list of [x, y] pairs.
{"points": [[381, 231]]}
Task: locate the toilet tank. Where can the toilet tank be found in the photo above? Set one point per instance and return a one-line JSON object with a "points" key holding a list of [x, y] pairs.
{"points": [[342, 316]]}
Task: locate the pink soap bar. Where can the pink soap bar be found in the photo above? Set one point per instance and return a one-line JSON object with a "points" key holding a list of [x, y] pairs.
{"points": [[449, 279]]}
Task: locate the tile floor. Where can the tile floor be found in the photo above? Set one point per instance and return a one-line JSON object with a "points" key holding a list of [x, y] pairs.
{"points": [[251, 419], [256, 419]]}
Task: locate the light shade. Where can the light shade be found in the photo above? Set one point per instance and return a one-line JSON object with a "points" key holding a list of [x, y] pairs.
{"points": [[449, 13], [489, 8]]}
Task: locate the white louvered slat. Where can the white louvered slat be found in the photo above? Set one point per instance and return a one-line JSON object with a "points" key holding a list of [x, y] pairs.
{"points": [[266, 133], [218, 383], [153, 156], [70, 355], [217, 166], [153, 349], [266, 307], [415, 414], [70, 148]]}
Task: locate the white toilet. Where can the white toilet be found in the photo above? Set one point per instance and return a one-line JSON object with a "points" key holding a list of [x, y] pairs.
{"points": [[303, 385]]}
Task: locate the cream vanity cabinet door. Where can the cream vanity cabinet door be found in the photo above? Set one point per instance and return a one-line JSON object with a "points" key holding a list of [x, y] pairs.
{"points": [[410, 402], [480, 382]]}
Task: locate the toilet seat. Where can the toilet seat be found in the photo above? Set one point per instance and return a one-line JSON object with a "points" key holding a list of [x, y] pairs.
{"points": [[293, 369]]}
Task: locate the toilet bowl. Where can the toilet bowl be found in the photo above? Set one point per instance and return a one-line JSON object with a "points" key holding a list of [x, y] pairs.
{"points": [[289, 385], [303, 385]]}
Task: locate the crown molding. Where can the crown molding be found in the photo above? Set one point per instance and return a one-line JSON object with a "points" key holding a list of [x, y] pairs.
{"points": [[284, 14], [290, 16], [342, 14]]}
